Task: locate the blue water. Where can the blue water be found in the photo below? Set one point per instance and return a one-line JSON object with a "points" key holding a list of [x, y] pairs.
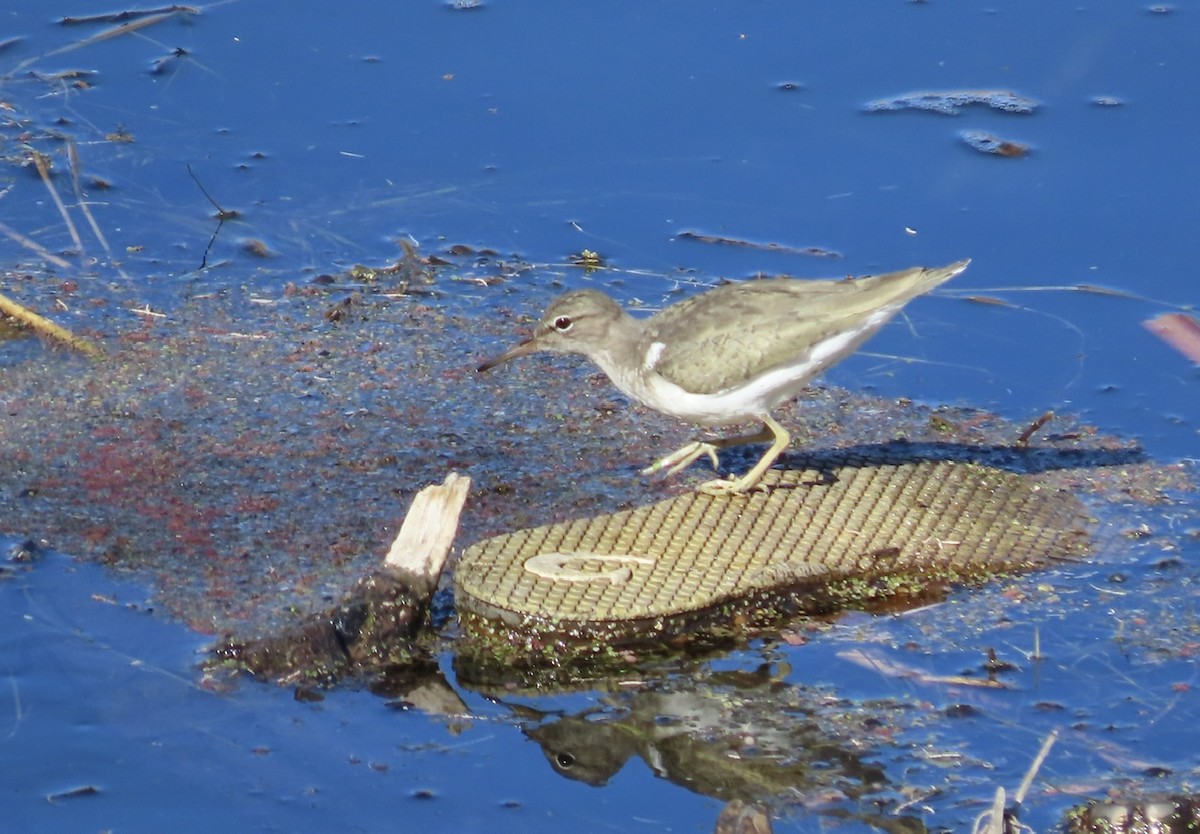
{"points": [[541, 129], [546, 129], [95, 693]]}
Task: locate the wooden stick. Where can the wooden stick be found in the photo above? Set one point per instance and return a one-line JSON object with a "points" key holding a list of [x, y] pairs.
{"points": [[44, 326], [43, 168], [123, 29], [130, 14], [73, 159], [375, 628], [992, 820], [1034, 767], [33, 245], [423, 543], [878, 663]]}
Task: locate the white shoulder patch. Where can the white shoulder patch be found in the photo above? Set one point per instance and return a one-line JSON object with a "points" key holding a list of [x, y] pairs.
{"points": [[653, 353]]}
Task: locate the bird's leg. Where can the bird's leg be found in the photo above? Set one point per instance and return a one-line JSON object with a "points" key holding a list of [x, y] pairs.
{"points": [[681, 459], [739, 486]]}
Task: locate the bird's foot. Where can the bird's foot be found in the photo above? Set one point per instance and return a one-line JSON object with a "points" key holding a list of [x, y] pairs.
{"points": [[681, 459], [732, 486]]}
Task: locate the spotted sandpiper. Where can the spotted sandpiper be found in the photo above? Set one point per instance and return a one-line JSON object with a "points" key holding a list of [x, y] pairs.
{"points": [[728, 355]]}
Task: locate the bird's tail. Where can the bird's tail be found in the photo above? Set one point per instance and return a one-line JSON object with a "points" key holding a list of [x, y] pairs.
{"points": [[909, 283]]}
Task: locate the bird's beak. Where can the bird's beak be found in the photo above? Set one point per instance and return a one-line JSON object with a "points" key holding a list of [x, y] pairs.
{"points": [[527, 346]]}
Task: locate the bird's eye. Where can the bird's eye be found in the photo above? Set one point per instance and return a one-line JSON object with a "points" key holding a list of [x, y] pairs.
{"points": [[563, 323], [565, 760]]}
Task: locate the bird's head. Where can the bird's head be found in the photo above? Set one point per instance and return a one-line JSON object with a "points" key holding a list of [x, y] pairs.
{"points": [[577, 322]]}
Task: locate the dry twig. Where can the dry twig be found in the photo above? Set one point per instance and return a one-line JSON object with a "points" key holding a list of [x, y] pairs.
{"points": [[45, 327]]}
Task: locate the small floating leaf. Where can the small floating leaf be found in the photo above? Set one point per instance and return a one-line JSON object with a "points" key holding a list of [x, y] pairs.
{"points": [[1178, 330], [985, 142]]}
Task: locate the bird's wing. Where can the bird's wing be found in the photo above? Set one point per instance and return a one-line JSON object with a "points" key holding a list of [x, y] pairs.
{"points": [[716, 340]]}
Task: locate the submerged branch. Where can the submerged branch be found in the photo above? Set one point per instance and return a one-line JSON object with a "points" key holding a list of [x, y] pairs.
{"points": [[45, 327], [75, 167], [123, 29], [34, 246], [376, 628], [42, 163]]}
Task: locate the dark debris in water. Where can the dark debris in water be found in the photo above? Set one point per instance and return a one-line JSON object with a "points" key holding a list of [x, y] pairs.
{"points": [[723, 240], [374, 630], [73, 793], [952, 102], [128, 15], [990, 143], [252, 457]]}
